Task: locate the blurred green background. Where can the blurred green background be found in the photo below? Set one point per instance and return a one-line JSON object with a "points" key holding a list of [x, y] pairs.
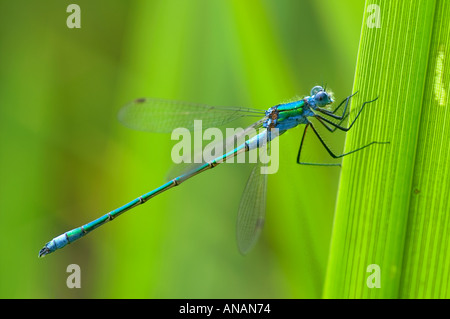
{"points": [[65, 159]]}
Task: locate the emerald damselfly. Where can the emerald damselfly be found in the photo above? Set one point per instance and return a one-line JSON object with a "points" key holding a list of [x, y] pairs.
{"points": [[157, 115]]}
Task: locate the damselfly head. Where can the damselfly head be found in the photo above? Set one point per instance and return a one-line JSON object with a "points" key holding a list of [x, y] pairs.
{"points": [[321, 97]]}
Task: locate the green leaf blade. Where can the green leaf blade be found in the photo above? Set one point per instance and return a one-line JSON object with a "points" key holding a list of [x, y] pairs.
{"points": [[374, 194], [426, 261]]}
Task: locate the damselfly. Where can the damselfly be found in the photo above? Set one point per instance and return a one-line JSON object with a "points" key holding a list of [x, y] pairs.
{"points": [[163, 116]]}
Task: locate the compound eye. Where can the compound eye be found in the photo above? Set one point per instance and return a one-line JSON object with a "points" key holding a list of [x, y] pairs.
{"points": [[316, 90], [322, 98]]}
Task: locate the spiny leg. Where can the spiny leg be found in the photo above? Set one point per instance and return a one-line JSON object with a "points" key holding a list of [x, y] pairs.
{"points": [[344, 154], [324, 122], [300, 150], [331, 129], [338, 126]]}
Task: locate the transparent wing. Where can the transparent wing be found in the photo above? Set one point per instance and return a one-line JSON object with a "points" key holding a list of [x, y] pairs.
{"points": [[226, 145], [162, 116], [252, 208]]}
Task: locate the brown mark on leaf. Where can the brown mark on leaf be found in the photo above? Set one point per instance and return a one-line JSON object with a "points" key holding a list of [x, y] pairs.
{"points": [[140, 100]]}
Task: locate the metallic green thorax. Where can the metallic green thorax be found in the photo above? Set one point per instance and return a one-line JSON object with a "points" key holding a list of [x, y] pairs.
{"points": [[292, 109], [288, 115]]}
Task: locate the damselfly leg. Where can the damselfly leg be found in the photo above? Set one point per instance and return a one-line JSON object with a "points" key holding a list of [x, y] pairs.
{"points": [[331, 126]]}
